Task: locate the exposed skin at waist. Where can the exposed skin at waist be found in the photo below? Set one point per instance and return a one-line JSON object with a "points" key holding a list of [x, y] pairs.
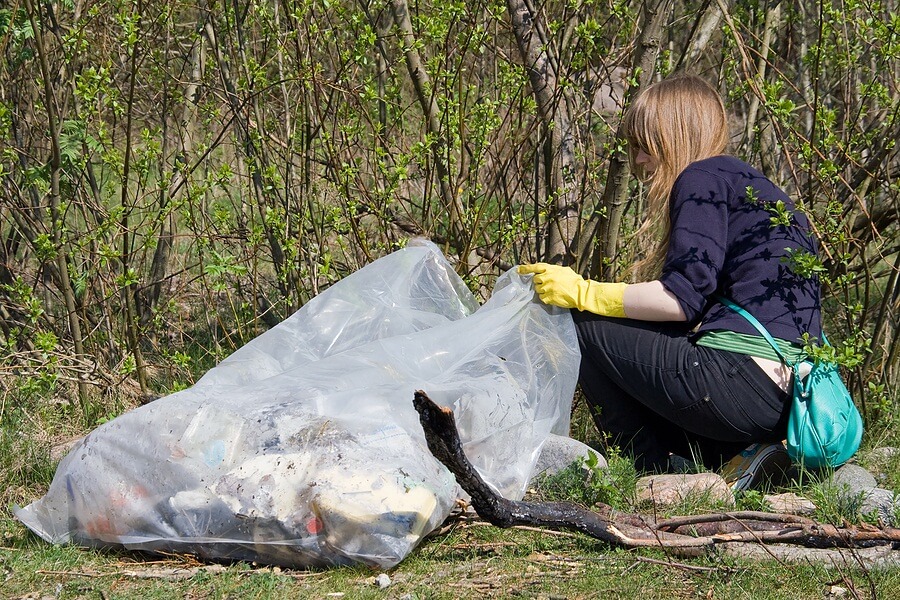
{"points": [[776, 370]]}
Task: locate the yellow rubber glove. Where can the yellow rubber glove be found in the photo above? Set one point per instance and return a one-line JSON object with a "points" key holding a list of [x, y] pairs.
{"points": [[561, 286]]}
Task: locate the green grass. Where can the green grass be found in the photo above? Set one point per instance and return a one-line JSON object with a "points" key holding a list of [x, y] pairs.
{"points": [[472, 560], [588, 484], [25, 465]]}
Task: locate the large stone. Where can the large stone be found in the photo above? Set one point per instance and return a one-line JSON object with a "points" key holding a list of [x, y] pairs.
{"points": [[883, 502], [670, 490], [883, 453], [854, 478], [790, 503], [558, 452]]}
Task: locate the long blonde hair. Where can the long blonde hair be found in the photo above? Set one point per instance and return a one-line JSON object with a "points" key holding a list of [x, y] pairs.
{"points": [[678, 121]]}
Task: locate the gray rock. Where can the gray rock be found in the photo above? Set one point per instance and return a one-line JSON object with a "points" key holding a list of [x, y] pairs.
{"points": [[882, 501], [670, 490], [884, 453], [854, 478], [558, 452]]}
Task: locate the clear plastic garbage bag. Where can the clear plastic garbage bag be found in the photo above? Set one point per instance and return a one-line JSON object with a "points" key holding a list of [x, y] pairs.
{"points": [[303, 447]]}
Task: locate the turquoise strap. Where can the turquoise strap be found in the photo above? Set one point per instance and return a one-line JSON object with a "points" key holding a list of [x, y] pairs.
{"points": [[759, 326]]}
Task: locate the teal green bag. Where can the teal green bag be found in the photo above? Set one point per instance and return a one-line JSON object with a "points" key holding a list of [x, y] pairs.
{"points": [[824, 426]]}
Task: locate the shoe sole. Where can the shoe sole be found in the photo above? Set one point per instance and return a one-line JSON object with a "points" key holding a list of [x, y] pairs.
{"points": [[763, 468]]}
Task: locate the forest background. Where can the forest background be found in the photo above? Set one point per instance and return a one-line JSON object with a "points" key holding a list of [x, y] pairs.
{"points": [[178, 176]]}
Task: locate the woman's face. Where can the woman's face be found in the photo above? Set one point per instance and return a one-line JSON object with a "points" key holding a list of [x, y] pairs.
{"points": [[646, 162]]}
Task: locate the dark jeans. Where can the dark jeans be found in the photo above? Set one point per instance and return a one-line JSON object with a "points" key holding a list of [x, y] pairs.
{"points": [[654, 392]]}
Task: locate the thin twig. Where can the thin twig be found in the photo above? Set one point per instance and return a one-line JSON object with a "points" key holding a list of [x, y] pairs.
{"points": [[543, 530], [68, 573], [677, 565]]}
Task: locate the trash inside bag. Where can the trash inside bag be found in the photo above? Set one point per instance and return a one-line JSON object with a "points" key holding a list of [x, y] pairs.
{"points": [[303, 448]]}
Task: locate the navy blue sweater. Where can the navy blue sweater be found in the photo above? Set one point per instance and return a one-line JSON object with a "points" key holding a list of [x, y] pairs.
{"points": [[723, 241]]}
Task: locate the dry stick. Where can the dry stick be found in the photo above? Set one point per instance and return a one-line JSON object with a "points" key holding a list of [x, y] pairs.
{"points": [[68, 573], [544, 531], [624, 529], [769, 552], [443, 441], [677, 565]]}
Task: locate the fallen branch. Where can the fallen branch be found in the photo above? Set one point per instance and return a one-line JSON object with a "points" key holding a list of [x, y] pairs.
{"points": [[690, 535]]}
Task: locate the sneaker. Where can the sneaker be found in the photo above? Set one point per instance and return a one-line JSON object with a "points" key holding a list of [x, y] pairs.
{"points": [[756, 464]]}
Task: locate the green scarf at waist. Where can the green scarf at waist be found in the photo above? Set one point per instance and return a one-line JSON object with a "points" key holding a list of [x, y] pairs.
{"points": [[754, 345]]}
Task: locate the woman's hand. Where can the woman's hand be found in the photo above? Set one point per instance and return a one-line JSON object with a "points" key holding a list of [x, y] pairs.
{"points": [[561, 286]]}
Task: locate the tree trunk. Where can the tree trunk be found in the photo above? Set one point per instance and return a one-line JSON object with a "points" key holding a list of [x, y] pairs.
{"points": [[707, 25], [773, 20], [599, 244], [563, 195]]}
